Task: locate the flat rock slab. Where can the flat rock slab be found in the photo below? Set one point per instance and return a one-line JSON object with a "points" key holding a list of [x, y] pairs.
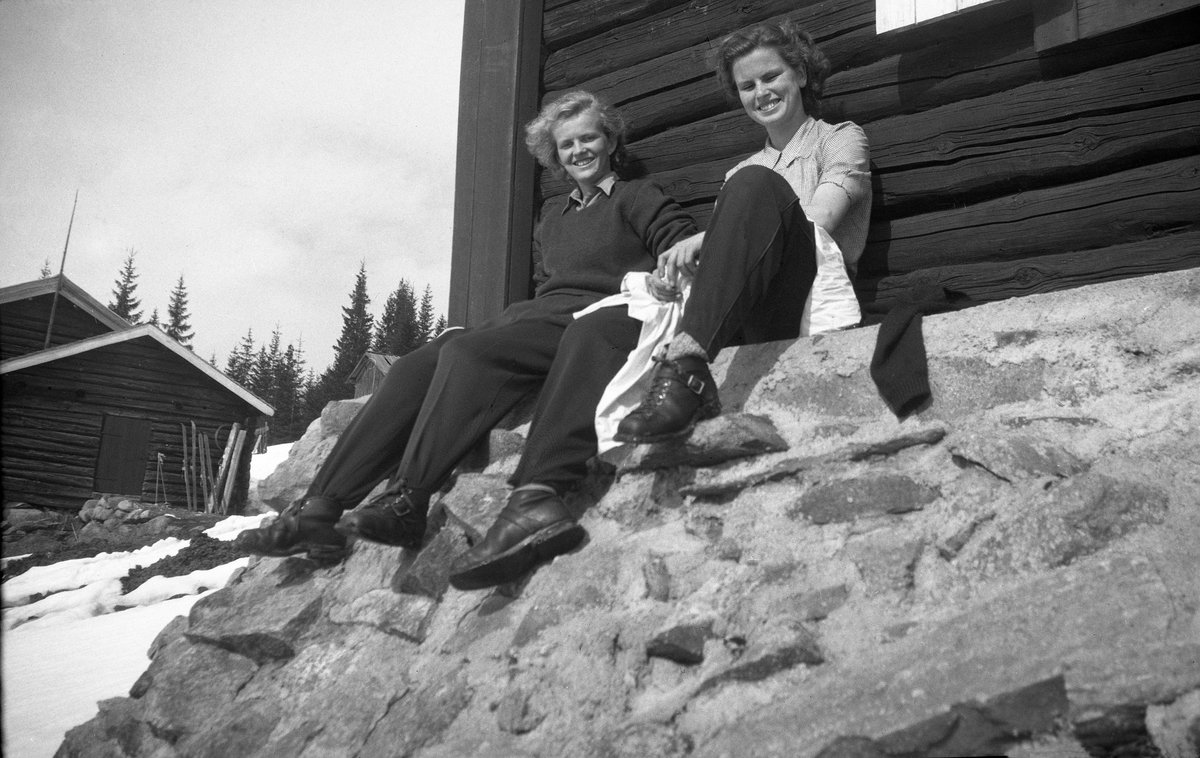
{"points": [[262, 620], [683, 643], [1016, 457], [211, 677], [728, 436], [406, 616], [1031, 634], [728, 481], [875, 494]]}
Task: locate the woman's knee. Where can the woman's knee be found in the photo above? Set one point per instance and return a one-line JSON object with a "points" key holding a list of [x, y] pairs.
{"points": [[757, 181]]}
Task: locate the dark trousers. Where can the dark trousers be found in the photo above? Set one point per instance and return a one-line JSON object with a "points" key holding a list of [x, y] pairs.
{"points": [[757, 265], [438, 401]]}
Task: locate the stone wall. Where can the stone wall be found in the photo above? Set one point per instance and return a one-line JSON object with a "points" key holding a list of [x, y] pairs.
{"points": [[1013, 570]]}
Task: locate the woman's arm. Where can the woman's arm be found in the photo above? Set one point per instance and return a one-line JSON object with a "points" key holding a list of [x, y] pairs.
{"points": [[680, 259], [828, 206]]}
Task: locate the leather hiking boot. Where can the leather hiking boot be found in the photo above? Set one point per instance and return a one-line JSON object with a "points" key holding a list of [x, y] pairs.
{"points": [[682, 393], [305, 526], [534, 526], [393, 518]]}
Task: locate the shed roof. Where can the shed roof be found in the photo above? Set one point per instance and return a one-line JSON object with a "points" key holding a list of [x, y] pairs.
{"points": [[71, 291], [129, 333], [381, 361]]}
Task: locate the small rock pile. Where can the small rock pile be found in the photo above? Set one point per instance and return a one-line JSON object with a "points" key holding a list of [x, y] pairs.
{"points": [[117, 514]]}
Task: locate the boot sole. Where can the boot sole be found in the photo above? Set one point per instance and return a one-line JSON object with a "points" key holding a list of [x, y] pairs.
{"points": [[703, 413], [325, 554], [513, 563]]}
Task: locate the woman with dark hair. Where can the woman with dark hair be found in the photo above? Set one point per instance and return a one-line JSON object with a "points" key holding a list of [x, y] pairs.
{"points": [[438, 401], [789, 226]]}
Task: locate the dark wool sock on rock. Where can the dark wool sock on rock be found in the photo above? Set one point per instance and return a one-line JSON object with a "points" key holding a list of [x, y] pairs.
{"points": [[899, 366]]}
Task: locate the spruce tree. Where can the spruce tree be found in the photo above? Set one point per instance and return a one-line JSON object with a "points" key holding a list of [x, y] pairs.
{"points": [[355, 340], [440, 326], [241, 360], [126, 303], [289, 395], [154, 318], [425, 317], [177, 314], [397, 330], [46, 272]]}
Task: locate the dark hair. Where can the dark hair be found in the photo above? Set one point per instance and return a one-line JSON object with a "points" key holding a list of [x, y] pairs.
{"points": [[793, 44], [539, 133]]}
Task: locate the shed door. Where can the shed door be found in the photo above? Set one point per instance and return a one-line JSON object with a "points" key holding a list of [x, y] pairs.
{"points": [[124, 443]]}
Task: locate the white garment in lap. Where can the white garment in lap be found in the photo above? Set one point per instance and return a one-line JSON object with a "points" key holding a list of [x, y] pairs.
{"points": [[837, 308]]}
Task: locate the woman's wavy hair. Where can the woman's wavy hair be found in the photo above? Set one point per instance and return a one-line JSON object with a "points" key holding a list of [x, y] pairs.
{"points": [[793, 44], [539, 133]]}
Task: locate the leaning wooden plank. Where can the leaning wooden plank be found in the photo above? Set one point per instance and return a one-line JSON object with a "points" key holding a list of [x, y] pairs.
{"points": [[1048, 273], [568, 24], [231, 477], [1119, 208]]}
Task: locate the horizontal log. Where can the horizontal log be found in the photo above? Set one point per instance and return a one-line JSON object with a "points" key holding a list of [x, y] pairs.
{"points": [[974, 165], [1119, 208], [926, 137], [567, 24], [987, 282], [664, 32], [949, 69]]}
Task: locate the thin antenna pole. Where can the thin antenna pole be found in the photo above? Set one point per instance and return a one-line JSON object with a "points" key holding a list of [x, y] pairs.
{"points": [[61, 267]]}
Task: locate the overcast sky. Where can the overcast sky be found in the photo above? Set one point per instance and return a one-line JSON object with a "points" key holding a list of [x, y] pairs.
{"points": [[261, 149]]}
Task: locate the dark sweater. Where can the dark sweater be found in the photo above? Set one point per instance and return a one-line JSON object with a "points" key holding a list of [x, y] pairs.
{"points": [[591, 250]]}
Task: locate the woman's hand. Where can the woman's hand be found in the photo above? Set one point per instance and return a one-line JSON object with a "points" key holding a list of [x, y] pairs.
{"points": [[681, 260]]}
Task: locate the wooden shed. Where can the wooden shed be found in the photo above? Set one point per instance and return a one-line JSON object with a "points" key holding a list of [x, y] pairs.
{"points": [[1017, 146], [105, 408], [369, 372]]}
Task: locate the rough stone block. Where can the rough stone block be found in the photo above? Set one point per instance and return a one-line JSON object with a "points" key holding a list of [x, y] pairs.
{"points": [[1175, 727], [876, 494], [657, 578], [1016, 457], [683, 643], [986, 728], [886, 560], [1097, 509], [816, 605], [475, 502], [257, 620], [406, 616], [242, 728], [429, 573], [516, 713], [418, 718], [783, 645], [210, 677], [728, 436], [169, 633]]}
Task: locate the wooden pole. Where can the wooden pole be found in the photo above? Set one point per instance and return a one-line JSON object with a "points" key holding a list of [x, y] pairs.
{"points": [[232, 474], [61, 267], [223, 472], [187, 482]]}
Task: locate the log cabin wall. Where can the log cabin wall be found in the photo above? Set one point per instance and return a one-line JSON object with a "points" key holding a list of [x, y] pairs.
{"points": [[23, 325], [1008, 157], [53, 415]]}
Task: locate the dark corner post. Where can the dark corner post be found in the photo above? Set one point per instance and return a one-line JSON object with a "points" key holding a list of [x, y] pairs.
{"points": [[494, 178]]}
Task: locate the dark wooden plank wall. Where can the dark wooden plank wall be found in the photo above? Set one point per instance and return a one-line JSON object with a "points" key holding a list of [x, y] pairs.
{"points": [[23, 325], [53, 415], [999, 169]]}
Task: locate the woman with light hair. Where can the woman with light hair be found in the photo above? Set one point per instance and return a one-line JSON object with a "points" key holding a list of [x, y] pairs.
{"points": [[790, 223], [438, 401]]}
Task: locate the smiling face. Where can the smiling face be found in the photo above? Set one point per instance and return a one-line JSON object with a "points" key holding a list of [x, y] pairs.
{"points": [[584, 150], [770, 92]]}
